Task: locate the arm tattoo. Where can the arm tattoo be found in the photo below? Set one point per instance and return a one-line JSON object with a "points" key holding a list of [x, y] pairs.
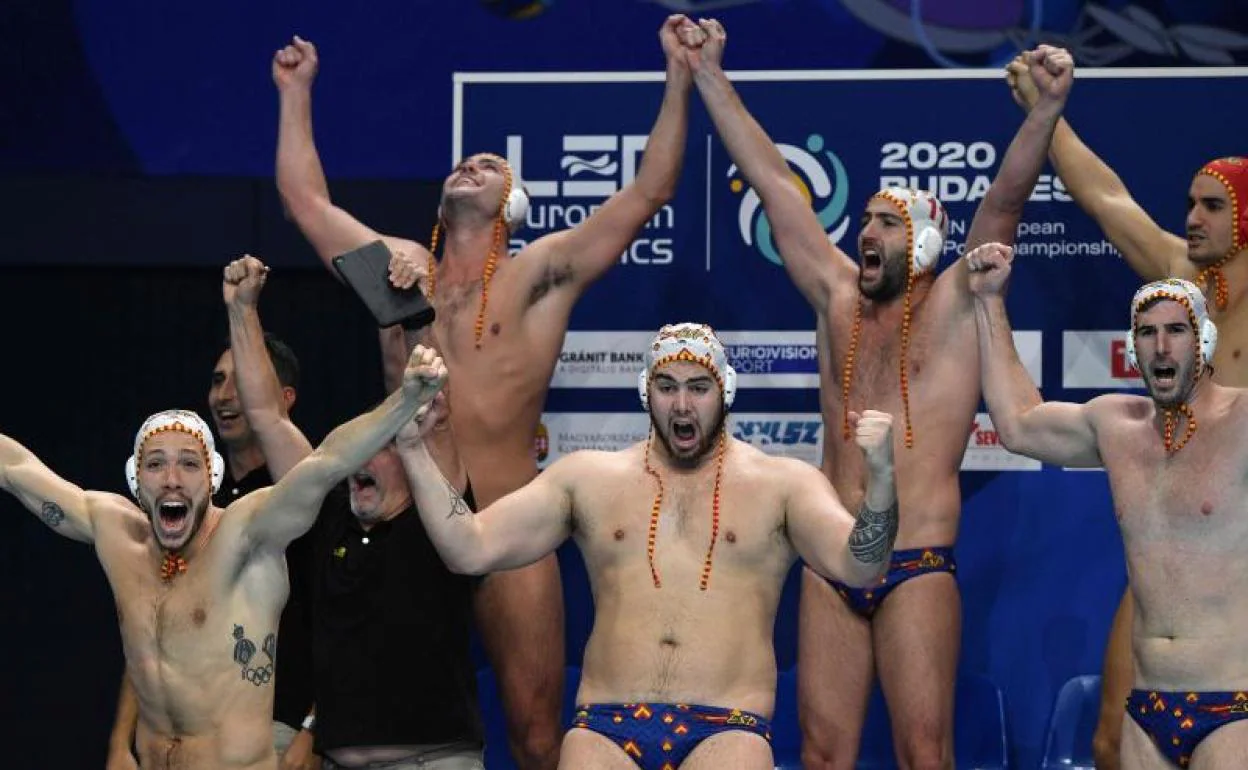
{"points": [[458, 506], [873, 534], [52, 514]]}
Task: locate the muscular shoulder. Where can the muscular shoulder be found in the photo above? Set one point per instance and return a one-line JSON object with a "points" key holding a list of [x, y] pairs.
{"points": [[235, 516], [1117, 408], [116, 519], [589, 466], [108, 509], [1234, 399], [948, 302]]}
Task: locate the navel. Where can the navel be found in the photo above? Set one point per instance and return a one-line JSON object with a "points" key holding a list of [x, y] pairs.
{"points": [[619, 534], [495, 328], [730, 536], [199, 616]]}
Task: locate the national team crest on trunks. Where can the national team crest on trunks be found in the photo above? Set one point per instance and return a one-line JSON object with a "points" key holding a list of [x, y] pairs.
{"points": [[660, 736], [1177, 722]]}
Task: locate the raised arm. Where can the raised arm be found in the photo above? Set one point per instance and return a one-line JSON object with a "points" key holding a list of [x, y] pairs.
{"points": [[300, 178], [1054, 432], [1151, 252], [283, 512], [259, 391], [588, 250], [1052, 72], [516, 530], [813, 263], [63, 506], [853, 550]]}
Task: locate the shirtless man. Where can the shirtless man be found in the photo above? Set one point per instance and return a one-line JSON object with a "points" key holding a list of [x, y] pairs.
{"points": [[1217, 233], [1177, 464], [687, 538], [199, 589], [890, 331], [500, 327], [256, 447]]}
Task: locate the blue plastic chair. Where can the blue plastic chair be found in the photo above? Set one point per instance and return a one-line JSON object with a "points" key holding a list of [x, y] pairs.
{"points": [[1068, 745], [979, 735], [497, 752]]}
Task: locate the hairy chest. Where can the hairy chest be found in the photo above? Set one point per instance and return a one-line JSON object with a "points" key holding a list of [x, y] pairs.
{"points": [[640, 518]]}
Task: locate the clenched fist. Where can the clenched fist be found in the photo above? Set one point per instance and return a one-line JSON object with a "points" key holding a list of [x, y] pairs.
{"points": [[1041, 75], [708, 53], [244, 278], [873, 432], [295, 65], [989, 267], [680, 39], [424, 375]]}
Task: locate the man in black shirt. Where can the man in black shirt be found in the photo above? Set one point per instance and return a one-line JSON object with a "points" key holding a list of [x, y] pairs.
{"points": [[257, 453], [394, 678]]}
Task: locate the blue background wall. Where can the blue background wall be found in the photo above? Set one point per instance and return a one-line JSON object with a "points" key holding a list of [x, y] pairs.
{"points": [[136, 145]]}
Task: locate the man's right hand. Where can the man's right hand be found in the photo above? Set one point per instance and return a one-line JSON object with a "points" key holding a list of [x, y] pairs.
{"points": [[408, 270], [121, 759], [707, 54], [989, 267], [295, 65], [424, 375], [1052, 72], [243, 280], [679, 37]]}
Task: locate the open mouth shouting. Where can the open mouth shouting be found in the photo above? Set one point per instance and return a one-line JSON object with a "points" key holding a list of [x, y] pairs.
{"points": [[684, 435], [1165, 375], [362, 483], [872, 261], [174, 517]]}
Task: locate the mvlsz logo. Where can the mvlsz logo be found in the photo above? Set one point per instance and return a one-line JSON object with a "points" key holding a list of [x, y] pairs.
{"points": [[799, 436], [821, 178], [763, 433], [591, 168], [1097, 360]]}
